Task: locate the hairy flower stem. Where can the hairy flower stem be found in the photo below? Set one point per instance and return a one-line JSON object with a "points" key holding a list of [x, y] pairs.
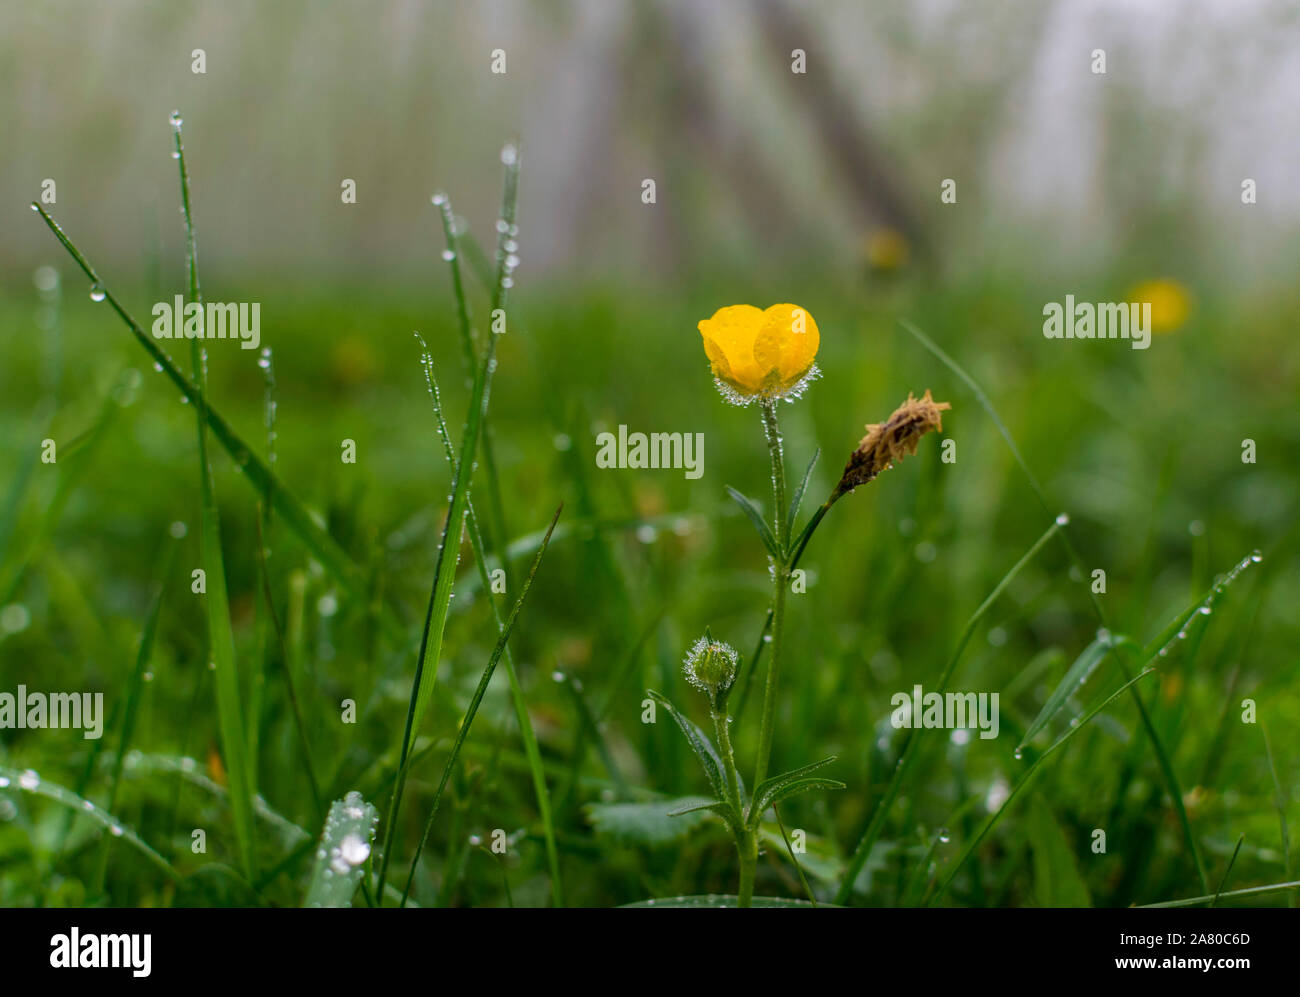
{"points": [[746, 840], [722, 728], [780, 576]]}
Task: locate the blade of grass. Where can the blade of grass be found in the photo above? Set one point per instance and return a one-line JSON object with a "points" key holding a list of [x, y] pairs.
{"points": [[273, 491], [1172, 787], [1226, 871], [803, 880], [516, 692], [435, 621], [345, 844], [472, 710], [221, 636], [908, 755], [30, 782], [1077, 674], [1250, 891], [1280, 801], [133, 691]]}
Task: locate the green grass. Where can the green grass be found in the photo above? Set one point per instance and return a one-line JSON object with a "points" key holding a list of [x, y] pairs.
{"points": [[948, 575]]}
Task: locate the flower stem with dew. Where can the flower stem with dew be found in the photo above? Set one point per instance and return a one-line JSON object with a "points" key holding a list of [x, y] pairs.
{"points": [[780, 572], [722, 728], [746, 840]]}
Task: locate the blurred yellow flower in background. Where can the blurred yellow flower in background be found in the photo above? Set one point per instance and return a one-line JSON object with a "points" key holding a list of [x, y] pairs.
{"points": [[1170, 302], [887, 249], [761, 353]]}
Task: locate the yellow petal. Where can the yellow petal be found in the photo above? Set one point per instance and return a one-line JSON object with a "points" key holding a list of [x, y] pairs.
{"points": [[799, 339], [729, 338]]}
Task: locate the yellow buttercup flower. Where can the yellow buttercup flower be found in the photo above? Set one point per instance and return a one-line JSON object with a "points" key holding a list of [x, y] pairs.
{"points": [[1170, 303], [887, 249], [761, 354]]}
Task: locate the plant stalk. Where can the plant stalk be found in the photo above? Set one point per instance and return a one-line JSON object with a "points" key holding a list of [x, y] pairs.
{"points": [[780, 577]]}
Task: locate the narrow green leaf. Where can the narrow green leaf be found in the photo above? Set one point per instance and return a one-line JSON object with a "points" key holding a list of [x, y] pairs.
{"points": [[803, 786], [484, 680], [756, 517], [765, 792], [721, 900], [444, 573], [29, 782], [700, 744], [711, 805], [221, 634], [345, 843], [651, 824], [1281, 802], [797, 499], [1075, 676], [1227, 871], [1250, 891], [531, 751]]}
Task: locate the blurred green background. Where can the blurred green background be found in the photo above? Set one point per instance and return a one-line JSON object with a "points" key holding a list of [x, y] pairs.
{"points": [[819, 188]]}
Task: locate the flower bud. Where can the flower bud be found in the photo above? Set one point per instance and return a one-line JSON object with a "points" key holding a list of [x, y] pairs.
{"points": [[710, 666]]}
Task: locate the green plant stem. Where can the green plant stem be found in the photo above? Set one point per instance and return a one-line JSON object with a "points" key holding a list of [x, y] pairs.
{"points": [[721, 727], [780, 575], [748, 845], [746, 841]]}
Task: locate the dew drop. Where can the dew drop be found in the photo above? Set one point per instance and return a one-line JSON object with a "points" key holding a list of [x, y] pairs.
{"points": [[29, 780], [176, 120], [1256, 557], [1017, 754], [1063, 519], [448, 255], [97, 292], [353, 849], [944, 836]]}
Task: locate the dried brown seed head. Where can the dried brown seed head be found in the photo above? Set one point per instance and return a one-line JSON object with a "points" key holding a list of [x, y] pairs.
{"points": [[891, 440]]}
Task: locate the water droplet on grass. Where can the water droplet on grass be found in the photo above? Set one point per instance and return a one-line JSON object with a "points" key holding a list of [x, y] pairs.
{"points": [[353, 849], [97, 292]]}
